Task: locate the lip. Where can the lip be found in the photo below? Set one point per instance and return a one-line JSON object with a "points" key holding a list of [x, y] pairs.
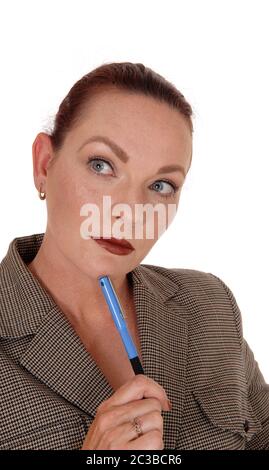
{"points": [[116, 241], [115, 246]]}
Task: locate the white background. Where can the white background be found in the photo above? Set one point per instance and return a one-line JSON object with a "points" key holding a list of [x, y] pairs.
{"points": [[216, 53]]}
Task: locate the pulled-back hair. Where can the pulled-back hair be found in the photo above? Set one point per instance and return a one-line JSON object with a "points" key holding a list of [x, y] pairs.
{"points": [[128, 76]]}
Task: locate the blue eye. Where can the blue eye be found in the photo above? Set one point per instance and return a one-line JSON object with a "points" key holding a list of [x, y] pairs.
{"points": [[168, 183], [99, 166]]}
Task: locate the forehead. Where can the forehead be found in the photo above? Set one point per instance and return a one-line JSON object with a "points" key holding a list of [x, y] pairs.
{"points": [[140, 123], [119, 106]]}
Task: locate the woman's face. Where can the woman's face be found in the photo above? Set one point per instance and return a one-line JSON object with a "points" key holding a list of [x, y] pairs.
{"points": [[153, 135]]}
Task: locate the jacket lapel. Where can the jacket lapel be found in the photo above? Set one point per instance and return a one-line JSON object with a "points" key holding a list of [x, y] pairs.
{"points": [[163, 331], [57, 357]]}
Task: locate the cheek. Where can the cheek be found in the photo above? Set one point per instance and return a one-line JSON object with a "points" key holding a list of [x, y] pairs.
{"points": [[66, 194], [155, 225], [84, 193]]}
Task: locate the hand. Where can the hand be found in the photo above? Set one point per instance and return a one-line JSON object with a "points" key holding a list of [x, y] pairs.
{"points": [[113, 427]]}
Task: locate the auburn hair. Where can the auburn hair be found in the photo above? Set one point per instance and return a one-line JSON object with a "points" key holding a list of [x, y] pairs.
{"points": [[128, 76]]}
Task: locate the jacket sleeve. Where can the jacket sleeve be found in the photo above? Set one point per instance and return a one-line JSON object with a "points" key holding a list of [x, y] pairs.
{"points": [[259, 398], [258, 389]]}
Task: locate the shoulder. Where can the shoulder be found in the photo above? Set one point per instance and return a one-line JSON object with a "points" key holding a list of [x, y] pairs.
{"points": [[190, 279], [204, 295]]}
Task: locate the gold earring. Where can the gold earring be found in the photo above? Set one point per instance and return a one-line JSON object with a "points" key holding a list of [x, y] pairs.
{"points": [[42, 195]]}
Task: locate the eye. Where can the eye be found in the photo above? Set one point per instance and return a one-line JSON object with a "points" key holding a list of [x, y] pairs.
{"points": [[99, 164], [163, 184]]}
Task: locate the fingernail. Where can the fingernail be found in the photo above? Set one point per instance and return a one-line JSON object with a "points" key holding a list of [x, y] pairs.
{"points": [[169, 405]]}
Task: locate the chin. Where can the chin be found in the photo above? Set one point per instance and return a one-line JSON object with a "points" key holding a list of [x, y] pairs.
{"points": [[103, 267]]}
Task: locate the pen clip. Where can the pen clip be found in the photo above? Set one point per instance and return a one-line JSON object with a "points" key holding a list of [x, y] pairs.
{"points": [[122, 313], [121, 309]]}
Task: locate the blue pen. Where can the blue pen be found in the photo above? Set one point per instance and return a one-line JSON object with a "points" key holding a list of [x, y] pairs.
{"points": [[118, 317]]}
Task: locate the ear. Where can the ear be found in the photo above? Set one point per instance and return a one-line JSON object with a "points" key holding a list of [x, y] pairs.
{"points": [[42, 154]]}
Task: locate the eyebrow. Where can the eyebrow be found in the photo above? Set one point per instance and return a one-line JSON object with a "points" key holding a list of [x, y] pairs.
{"points": [[124, 157]]}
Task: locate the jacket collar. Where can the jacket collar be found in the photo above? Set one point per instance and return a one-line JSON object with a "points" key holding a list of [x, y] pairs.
{"points": [[161, 322], [27, 303]]}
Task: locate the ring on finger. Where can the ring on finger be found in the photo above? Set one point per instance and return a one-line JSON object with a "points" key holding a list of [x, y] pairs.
{"points": [[137, 424]]}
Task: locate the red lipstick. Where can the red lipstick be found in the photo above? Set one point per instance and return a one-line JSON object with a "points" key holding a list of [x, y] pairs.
{"points": [[115, 245]]}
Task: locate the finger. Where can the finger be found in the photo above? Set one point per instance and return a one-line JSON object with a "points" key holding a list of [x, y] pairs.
{"points": [[152, 440], [135, 389], [119, 436], [146, 423], [114, 416], [117, 415]]}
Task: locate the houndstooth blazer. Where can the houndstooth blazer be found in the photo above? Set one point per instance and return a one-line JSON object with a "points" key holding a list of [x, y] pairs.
{"points": [[192, 344]]}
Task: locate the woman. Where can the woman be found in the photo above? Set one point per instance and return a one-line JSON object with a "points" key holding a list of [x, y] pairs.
{"points": [[67, 381]]}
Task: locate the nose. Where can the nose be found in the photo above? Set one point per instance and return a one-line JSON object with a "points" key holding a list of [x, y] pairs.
{"points": [[128, 212], [126, 206]]}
